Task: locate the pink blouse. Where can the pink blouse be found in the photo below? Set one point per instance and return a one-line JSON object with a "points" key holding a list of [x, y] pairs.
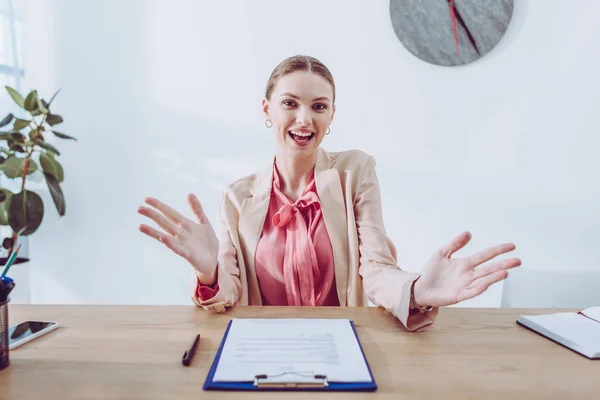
{"points": [[294, 258]]}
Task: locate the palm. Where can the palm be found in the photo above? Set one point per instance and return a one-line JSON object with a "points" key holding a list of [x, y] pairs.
{"points": [[194, 241], [446, 281]]}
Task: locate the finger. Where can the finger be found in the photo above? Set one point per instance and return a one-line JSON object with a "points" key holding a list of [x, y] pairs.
{"points": [[172, 244], [197, 208], [151, 232], [470, 293], [168, 241], [489, 279], [489, 253], [456, 244], [478, 286], [497, 266], [170, 212], [160, 219]]}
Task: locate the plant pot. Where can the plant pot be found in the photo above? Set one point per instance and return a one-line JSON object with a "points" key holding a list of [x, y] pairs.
{"points": [[4, 356]]}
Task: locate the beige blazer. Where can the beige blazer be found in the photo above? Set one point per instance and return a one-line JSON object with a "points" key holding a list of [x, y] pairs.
{"points": [[364, 257]]}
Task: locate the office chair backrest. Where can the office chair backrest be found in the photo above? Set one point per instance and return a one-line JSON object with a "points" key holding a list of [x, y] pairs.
{"points": [[528, 288]]}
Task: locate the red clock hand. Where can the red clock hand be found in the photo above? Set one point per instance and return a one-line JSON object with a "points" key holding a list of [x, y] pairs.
{"points": [[451, 4], [462, 23]]}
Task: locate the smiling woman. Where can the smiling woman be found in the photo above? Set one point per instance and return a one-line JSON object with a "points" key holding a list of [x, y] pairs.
{"points": [[309, 230]]}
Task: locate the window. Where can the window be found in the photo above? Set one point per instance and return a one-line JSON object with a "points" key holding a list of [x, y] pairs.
{"points": [[11, 55]]}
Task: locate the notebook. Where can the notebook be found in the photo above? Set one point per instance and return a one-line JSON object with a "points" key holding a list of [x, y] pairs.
{"points": [[579, 331]]}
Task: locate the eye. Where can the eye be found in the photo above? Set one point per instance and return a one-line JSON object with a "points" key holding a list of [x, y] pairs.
{"points": [[320, 106], [289, 103]]}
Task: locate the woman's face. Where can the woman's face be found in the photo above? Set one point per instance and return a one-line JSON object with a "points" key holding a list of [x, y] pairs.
{"points": [[301, 109]]}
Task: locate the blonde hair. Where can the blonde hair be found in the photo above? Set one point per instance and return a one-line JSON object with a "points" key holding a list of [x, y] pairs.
{"points": [[298, 63]]}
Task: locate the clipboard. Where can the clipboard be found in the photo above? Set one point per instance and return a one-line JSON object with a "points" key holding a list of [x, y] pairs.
{"points": [[296, 382]]}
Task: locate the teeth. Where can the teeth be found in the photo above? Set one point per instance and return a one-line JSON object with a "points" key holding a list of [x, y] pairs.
{"points": [[303, 134]]}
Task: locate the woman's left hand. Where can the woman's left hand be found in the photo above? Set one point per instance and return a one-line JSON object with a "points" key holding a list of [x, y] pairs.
{"points": [[446, 281]]}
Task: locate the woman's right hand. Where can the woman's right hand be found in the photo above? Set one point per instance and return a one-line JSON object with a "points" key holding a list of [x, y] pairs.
{"points": [[194, 241]]}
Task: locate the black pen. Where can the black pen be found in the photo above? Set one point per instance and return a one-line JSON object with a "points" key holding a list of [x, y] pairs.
{"points": [[189, 354]]}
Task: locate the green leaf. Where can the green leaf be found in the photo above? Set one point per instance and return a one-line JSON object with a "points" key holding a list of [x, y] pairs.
{"points": [[47, 146], [33, 134], [17, 148], [5, 196], [52, 99], [20, 124], [18, 137], [16, 96], [51, 166], [25, 212], [32, 167], [56, 192], [31, 101], [63, 136], [42, 107], [13, 167], [6, 120], [53, 119]]}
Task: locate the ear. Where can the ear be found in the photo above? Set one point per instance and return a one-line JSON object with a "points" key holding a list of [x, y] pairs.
{"points": [[265, 108]]}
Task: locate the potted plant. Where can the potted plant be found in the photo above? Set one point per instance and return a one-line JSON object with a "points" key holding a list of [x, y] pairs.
{"points": [[24, 151]]}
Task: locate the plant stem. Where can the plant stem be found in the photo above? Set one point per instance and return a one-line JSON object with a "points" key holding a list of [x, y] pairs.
{"points": [[26, 163]]}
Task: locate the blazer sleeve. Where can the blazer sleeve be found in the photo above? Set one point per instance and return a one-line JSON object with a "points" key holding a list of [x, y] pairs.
{"points": [[385, 284], [228, 289]]}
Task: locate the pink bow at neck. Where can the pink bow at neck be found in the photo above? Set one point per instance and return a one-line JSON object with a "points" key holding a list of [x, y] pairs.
{"points": [[300, 266]]}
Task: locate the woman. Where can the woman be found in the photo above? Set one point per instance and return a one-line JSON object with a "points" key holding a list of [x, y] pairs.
{"points": [[309, 229]]}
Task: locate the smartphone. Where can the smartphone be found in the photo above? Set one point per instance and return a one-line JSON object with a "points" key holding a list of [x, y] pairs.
{"points": [[27, 331]]}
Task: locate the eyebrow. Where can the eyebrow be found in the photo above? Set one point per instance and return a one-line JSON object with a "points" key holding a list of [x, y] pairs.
{"points": [[287, 94]]}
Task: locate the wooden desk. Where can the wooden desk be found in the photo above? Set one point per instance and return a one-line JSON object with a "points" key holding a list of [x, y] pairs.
{"points": [[123, 352]]}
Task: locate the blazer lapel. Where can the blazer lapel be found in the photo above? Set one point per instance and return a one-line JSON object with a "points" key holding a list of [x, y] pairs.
{"points": [[252, 218], [333, 207]]}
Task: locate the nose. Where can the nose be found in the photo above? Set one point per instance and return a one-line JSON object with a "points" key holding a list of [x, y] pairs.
{"points": [[303, 117]]}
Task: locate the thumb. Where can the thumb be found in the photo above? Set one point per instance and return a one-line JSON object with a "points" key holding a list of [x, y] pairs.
{"points": [[456, 244], [197, 208]]}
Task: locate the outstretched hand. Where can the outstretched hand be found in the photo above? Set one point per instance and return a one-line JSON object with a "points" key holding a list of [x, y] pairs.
{"points": [[446, 281], [194, 241]]}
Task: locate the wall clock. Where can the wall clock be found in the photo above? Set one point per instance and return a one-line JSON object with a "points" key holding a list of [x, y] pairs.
{"points": [[450, 32]]}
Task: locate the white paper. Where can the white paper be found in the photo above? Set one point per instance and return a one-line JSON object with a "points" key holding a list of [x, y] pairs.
{"points": [[592, 312], [575, 331], [292, 349]]}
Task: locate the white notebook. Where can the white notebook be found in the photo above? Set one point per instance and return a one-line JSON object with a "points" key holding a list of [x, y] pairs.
{"points": [[579, 332]]}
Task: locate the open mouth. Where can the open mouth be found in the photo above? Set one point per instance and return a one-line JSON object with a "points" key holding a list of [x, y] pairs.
{"points": [[302, 138]]}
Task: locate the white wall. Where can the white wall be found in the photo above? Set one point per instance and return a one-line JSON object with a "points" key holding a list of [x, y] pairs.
{"points": [[164, 97]]}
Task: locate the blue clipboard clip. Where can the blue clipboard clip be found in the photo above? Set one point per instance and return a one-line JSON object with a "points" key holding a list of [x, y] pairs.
{"points": [[301, 380]]}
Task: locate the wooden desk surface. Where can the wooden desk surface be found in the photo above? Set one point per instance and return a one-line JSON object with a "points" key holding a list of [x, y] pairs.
{"points": [[134, 352]]}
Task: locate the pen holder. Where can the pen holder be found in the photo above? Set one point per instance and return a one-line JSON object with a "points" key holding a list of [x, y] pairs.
{"points": [[4, 359]]}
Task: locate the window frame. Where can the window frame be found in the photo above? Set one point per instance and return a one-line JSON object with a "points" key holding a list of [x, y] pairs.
{"points": [[14, 69]]}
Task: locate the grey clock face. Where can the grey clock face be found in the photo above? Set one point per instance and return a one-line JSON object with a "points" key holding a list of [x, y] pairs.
{"points": [[426, 28]]}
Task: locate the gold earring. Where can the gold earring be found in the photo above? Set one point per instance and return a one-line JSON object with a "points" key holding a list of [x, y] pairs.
{"points": [[328, 131], [268, 123]]}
